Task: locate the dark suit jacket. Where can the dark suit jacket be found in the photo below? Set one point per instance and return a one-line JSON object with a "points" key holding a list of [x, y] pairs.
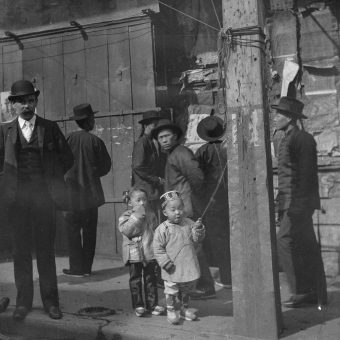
{"points": [[298, 173], [56, 158]]}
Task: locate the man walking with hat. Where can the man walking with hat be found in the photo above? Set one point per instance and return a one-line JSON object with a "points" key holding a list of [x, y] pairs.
{"points": [[182, 173], [298, 197], [212, 162], [34, 157], [148, 162], [92, 161]]}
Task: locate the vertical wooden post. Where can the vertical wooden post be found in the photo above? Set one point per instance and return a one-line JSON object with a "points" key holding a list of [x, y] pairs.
{"points": [[256, 295]]}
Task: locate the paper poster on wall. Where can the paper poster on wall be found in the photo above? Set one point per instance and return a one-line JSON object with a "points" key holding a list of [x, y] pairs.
{"points": [[7, 110]]}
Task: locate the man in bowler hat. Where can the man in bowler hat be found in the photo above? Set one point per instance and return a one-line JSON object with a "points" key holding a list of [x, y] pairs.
{"points": [[298, 197], [92, 161], [212, 162], [34, 157]]}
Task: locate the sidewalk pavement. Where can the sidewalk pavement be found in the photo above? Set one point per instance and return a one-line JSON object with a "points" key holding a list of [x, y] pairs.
{"points": [[108, 287]]}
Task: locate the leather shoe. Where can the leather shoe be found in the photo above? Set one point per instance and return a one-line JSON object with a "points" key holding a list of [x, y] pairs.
{"points": [[20, 313], [54, 312], [73, 273], [301, 300], [4, 302]]}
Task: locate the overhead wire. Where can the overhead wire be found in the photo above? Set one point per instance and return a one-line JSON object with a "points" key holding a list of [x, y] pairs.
{"points": [[188, 15]]}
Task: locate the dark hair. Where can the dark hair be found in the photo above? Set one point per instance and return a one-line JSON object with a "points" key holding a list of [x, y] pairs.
{"points": [[13, 100], [83, 123], [137, 189]]}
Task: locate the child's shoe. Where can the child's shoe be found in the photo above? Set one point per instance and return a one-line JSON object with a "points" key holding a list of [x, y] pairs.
{"points": [[173, 315], [140, 311], [158, 310], [188, 314]]}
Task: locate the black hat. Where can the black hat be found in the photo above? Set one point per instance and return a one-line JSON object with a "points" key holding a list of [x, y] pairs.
{"points": [[210, 128], [291, 107], [22, 88], [149, 116], [82, 111], [166, 124]]}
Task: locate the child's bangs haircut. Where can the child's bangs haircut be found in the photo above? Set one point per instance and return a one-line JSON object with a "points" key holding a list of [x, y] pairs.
{"points": [[136, 189], [169, 196]]}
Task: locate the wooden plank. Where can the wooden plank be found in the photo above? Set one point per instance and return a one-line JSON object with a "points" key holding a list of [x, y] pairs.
{"points": [[256, 300], [12, 65], [97, 73], [53, 71], [142, 71], [74, 71], [119, 69], [106, 237], [33, 69]]}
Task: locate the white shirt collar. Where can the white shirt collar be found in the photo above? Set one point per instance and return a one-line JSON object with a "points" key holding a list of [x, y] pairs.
{"points": [[23, 121]]}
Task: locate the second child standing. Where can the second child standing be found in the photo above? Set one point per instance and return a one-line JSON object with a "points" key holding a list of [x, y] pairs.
{"points": [[137, 226]]}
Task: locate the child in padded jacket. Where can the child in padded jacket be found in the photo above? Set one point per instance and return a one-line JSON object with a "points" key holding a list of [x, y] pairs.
{"points": [[137, 226], [174, 248]]}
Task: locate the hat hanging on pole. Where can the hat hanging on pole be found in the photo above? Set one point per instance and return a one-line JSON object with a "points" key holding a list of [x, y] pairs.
{"points": [[82, 111], [211, 128], [22, 88]]}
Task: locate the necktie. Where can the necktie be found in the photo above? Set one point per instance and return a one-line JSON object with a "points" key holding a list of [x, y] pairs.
{"points": [[27, 130]]}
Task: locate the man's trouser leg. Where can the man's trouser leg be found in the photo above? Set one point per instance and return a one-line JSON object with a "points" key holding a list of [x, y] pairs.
{"points": [[89, 238], [74, 221]]}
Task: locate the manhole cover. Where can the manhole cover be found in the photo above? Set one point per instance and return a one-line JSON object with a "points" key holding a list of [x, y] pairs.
{"points": [[96, 311]]}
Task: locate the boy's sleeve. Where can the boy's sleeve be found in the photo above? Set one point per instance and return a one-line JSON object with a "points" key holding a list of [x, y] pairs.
{"points": [[129, 225], [159, 244]]}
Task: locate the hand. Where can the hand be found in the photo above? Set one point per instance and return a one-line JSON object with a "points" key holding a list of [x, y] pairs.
{"points": [[139, 212], [170, 267], [161, 181], [199, 224]]}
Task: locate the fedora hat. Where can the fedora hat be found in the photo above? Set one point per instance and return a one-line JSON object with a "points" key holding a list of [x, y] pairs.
{"points": [[210, 128], [166, 124], [82, 111], [149, 116], [291, 107], [22, 88]]}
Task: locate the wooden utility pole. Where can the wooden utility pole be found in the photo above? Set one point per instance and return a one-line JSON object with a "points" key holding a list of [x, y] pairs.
{"points": [[256, 295]]}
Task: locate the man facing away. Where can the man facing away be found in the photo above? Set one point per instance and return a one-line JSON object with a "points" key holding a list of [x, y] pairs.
{"points": [[92, 161], [298, 197], [34, 157]]}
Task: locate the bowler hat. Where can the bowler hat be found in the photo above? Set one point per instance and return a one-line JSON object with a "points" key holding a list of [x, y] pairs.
{"points": [[291, 107], [22, 88], [82, 111], [210, 128], [166, 124], [149, 116]]}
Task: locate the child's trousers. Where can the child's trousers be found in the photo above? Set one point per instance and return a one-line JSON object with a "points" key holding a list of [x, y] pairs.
{"points": [[177, 294], [148, 272]]}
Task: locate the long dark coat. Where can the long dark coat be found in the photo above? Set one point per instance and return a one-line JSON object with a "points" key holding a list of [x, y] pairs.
{"points": [[148, 166], [55, 154], [298, 172], [92, 161]]}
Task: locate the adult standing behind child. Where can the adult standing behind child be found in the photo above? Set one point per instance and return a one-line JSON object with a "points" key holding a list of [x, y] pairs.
{"points": [[92, 161], [175, 252], [137, 226]]}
